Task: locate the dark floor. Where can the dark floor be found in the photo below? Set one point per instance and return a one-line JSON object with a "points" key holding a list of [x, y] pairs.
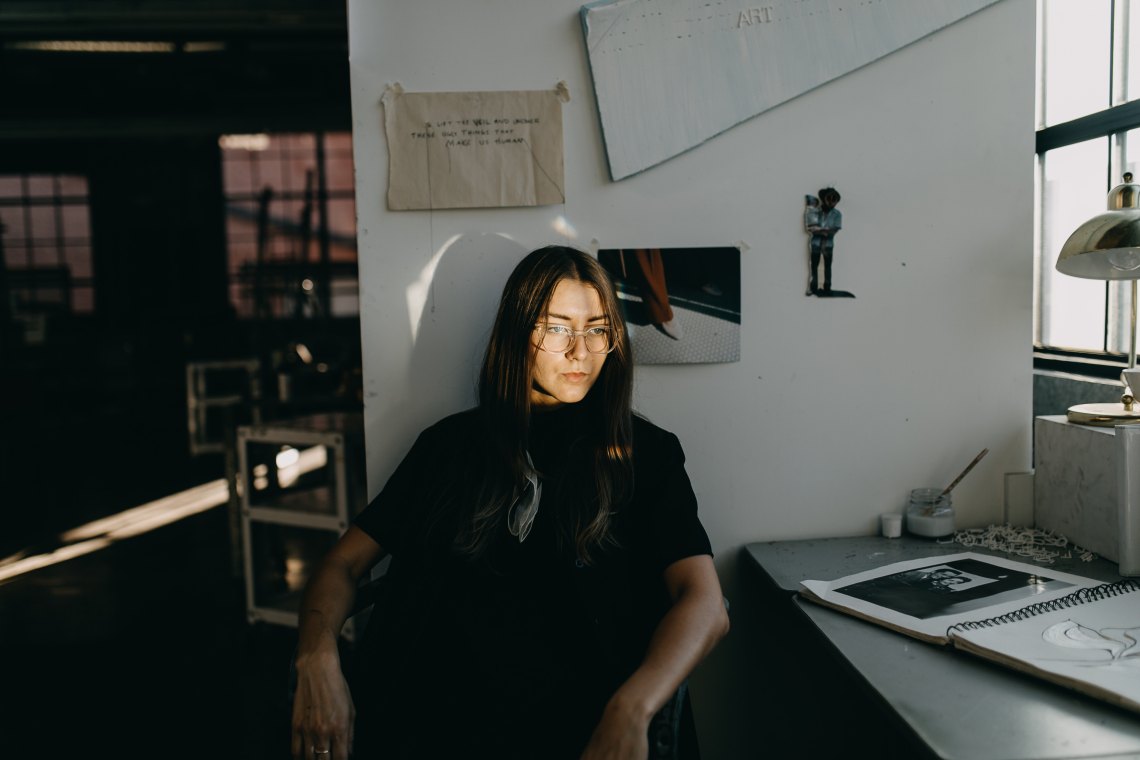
{"points": [[142, 649]]}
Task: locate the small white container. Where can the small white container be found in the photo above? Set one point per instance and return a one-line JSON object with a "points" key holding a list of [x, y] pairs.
{"points": [[930, 513]]}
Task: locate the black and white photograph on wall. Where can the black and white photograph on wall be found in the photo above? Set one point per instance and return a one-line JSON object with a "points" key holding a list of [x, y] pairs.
{"points": [[950, 588], [822, 222], [681, 305]]}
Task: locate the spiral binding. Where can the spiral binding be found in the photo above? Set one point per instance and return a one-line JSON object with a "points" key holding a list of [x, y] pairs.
{"points": [[1075, 599]]}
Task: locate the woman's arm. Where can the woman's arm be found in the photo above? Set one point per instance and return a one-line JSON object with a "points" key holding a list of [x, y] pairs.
{"points": [[688, 632], [323, 712]]}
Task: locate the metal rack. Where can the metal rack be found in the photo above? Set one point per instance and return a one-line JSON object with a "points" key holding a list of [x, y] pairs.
{"points": [[301, 482], [216, 392]]}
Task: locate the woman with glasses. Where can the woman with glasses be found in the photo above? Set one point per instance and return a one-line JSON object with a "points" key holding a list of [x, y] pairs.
{"points": [[551, 586]]}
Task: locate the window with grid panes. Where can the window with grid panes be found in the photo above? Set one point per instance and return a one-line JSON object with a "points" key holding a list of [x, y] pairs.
{"points": [[290, 224], [45, 239], [1088, 136]]}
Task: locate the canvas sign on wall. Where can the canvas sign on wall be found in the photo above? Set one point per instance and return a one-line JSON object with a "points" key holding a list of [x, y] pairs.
{"points": [[670, 74]]}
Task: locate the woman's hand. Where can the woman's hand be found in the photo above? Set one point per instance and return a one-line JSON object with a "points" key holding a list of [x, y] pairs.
{"points": [[622, 734], [689, 630], [323, 713]]}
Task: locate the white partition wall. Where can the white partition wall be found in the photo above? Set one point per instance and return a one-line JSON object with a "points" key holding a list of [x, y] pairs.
{"points": [[838, 406]]}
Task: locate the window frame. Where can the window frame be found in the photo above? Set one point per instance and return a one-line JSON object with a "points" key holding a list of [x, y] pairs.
{"points": [[244, 279], [1112, 123], [35, 241]]}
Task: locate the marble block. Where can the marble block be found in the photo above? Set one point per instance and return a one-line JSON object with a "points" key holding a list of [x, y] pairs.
{"points": [[1085, 487]]}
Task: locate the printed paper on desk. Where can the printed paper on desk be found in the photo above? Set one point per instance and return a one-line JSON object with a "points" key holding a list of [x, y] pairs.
{"points": [[474, 149], [925, 597]]}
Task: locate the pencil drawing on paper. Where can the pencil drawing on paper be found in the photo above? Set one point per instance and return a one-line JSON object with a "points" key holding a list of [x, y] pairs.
{"points": [[1121, 646]]}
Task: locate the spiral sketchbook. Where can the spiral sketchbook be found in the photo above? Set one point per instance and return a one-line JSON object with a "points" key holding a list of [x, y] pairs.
{"points": [[1074, 631]]}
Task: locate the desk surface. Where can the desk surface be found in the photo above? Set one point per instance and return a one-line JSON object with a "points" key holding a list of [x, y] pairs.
{"points": [[958, 705]]}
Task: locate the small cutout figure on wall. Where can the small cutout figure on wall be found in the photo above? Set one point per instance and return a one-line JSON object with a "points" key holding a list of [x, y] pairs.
{"points": [[822, 221]]}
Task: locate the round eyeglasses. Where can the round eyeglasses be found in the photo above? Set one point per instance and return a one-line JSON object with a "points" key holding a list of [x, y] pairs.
{"points": [[558, 339]]}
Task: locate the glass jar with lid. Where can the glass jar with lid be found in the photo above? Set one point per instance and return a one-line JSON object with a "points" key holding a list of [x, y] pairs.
{"points": [[930, 513]]}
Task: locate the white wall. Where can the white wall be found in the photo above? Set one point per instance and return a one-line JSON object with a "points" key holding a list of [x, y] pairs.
{"points": [[838, 407]]}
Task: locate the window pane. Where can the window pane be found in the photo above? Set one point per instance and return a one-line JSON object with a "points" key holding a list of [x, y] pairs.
{"points": [[337, 142], [338, 171], [280, 248], [41, 186], [83, 300], [1132, 53], [241, 253], [342, 218], [286, 222], [305, 142], [1077, 58], [76, 225], [16, 256], [43, 224], [235, 172], [12, 223], [78, 259], [240, 229], [73, 186], [1073, 190], [11, 186], [46, 256], [272, 150], [297, 169], [269, 172]]}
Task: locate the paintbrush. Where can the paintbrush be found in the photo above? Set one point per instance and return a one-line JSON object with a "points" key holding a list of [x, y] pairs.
{"points": [[964, 472]]}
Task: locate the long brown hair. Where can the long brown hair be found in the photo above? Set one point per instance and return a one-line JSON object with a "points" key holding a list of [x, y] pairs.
{"points": [[504, 401]]}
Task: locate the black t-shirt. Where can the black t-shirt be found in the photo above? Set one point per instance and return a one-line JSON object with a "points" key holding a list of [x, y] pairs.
{"points": [[517, 653]]}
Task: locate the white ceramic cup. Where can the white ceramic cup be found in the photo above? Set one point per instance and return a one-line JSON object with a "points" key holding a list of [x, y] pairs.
{"points": [[891, 523]]}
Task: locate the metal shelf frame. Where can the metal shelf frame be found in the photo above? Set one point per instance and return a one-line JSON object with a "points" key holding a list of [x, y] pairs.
{"points": [[307, 519]]}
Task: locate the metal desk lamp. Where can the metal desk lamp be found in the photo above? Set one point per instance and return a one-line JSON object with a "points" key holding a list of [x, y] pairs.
{"points": [[1107, 247]]}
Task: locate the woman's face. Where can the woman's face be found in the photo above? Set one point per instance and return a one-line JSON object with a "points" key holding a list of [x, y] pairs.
{"points": [[566, 378]]}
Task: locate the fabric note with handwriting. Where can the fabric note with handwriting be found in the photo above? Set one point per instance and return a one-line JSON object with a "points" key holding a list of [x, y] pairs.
{"points": [[474, 149]]}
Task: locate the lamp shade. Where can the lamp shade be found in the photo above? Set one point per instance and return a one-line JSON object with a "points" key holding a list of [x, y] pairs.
{"points": [[1107, 247]]}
